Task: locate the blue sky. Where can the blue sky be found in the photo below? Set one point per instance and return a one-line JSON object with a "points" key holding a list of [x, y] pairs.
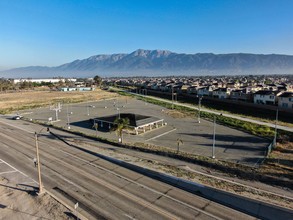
{"points": [[53, 32]]}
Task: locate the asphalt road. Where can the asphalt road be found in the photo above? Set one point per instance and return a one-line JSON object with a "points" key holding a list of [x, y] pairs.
{"points": [[102, 189], [230, 144]]}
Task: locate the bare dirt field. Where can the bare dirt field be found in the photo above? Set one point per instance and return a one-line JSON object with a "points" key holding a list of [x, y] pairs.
{"points": [[19, 100], [21, 203]]}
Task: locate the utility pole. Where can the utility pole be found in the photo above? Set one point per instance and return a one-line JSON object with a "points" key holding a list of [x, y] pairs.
{"points": [[214, 138], [38, 164], [275, 136], [57, 108]]}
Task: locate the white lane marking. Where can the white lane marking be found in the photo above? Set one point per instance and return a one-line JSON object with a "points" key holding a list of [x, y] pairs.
{"points": [[161, 135], [19, 171], [129, 216], [12, 171], [16, 170], [31, 132], [141, 185]]}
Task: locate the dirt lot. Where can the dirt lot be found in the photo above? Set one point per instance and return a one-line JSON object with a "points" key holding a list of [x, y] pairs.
{"points": [[29, 99], [22, 203]]}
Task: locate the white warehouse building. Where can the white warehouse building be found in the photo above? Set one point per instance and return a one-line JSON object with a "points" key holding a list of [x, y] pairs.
{"points": [[15, 81]]}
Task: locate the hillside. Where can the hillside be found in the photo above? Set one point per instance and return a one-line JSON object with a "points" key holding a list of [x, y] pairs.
{"points": [[163, 62]]}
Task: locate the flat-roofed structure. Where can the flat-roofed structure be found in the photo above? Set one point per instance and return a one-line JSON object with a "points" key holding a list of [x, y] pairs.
{"points": [[139, 123]]}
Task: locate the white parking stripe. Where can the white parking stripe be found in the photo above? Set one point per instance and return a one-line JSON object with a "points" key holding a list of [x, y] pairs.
{"points": [[161, 135], [12, 171], [19, 171]]}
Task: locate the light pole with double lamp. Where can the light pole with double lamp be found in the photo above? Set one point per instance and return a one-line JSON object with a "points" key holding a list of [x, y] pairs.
{"points": [[88, 108], [214, 138], [275, 133], [199, 104]]}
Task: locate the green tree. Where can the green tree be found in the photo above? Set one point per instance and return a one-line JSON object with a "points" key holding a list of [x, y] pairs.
{"points": [[121, 124], [97, 80]]}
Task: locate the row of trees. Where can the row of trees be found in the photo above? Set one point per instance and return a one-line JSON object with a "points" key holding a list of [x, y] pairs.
{"points": [[7, 84]]}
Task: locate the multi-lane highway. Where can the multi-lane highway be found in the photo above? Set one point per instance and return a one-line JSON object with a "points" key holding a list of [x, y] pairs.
{"points": [[102, 189]]}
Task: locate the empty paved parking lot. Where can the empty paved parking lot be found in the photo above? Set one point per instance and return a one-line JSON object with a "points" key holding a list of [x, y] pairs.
{"points": [[231, 144]]}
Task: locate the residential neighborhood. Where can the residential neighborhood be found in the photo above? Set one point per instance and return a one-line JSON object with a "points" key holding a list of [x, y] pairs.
{"points": [[276, 90]]}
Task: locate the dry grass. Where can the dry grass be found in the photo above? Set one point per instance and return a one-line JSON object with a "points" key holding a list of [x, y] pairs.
{"points": [[280, 161], [177, 114], [29, 99]]}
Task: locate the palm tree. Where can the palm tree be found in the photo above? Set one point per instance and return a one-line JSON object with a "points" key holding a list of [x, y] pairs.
{"points": [[179, 141], [121, 124]]}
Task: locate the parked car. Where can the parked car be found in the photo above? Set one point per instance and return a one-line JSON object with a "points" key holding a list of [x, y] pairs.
{"points": [[17, 117]]}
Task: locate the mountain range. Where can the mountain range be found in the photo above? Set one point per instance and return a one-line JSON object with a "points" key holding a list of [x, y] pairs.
{"points": [[162, 62]]}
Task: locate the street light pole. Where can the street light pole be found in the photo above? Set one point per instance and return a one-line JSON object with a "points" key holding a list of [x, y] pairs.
{"points": [[68, 122], [214, 138], [88, 108], [275, 136], [199, 103], [38, 164], [172, 97]]}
